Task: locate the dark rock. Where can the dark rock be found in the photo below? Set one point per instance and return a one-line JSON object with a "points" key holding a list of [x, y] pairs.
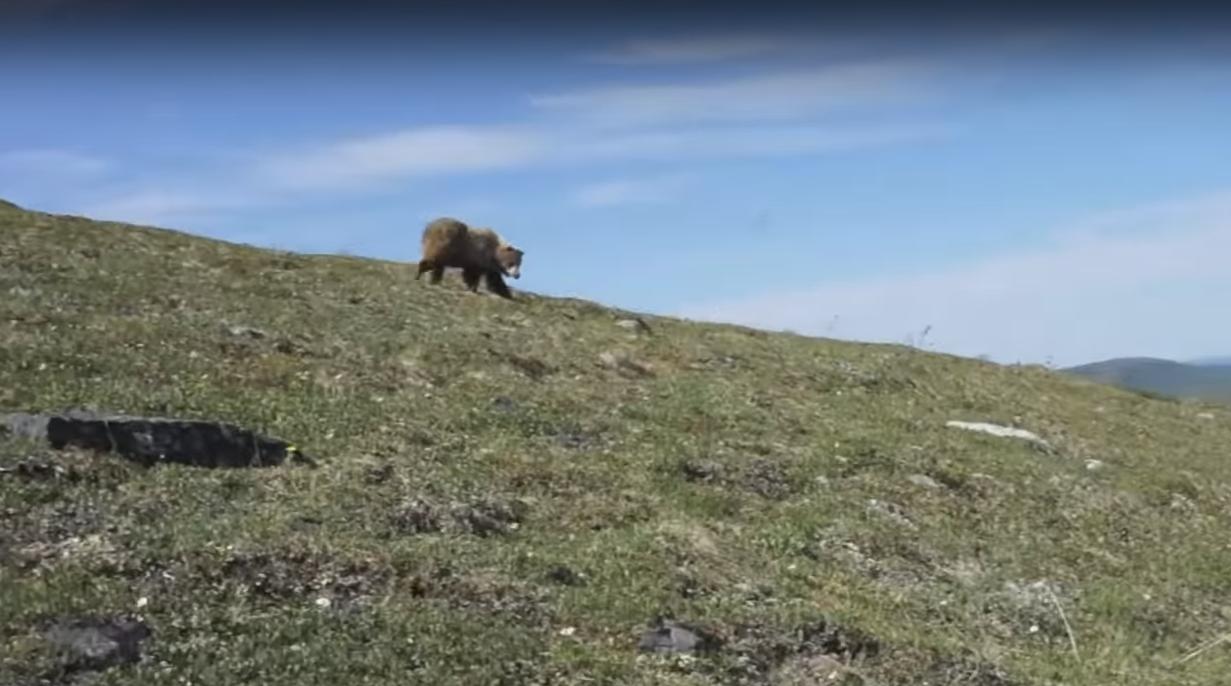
{"points": [[288, 346], [573, 438], [378, 475], [804, 654], [669, 636], [565, 576], [966, 672], [35, 469], [152, 440], [95, 643], [488, 517], [700, 470], [482, 518], [535, 369], [504, 404], [768, 479], [829, 638], [417, 517], [306, 523]]}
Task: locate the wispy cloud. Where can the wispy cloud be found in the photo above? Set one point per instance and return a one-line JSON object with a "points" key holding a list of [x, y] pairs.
{"points": [[769, 115], [768, 97], [746, 141], [429, 150], [655, 189], [369, 162], [695, 49], [168, 206], [149, 206], [51, 162], [1065, 301]]}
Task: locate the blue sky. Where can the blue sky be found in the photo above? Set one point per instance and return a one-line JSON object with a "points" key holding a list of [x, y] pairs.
{"points": [[1031, 191]]}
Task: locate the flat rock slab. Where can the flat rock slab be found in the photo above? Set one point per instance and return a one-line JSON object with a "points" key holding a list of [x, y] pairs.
{"points": [[1000, 431], [668, 636], [94, 643], [154, 440]]}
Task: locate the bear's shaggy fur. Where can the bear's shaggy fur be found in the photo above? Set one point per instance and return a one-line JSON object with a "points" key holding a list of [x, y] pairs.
{"points": [[479, 253]]}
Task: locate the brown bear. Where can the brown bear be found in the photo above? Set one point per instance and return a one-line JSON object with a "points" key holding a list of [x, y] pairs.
{"points": [[479, 253]]}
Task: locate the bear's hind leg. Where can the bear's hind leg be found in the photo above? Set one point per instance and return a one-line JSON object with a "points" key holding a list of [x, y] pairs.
{"points": [[471, 276], [438, 273], [495, 284]]}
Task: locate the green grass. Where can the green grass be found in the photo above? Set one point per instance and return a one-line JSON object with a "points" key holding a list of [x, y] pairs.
{"points": [[729, 484]]}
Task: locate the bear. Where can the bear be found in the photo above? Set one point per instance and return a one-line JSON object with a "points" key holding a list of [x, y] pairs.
{"points": [[478, 252]]}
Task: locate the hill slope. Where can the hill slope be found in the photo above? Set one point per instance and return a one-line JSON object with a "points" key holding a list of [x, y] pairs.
{"points": [[1207, 381], [511, 492]]}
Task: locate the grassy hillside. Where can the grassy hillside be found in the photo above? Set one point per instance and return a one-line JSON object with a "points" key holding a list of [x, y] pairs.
{"points": [[510, 492], [1205, 381]]}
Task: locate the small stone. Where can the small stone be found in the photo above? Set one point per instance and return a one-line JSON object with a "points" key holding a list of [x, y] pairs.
{"points": [[568, 631], [142, 602], [1205, 415], [810, 669], [323, 603], [623, 363], [671, 637], [1094, 465], [1179, 501], [609, 359], [700, 470], [891, 511], [503, 404], [923, 481], [246, 332], [378, 474], [636, 324]]}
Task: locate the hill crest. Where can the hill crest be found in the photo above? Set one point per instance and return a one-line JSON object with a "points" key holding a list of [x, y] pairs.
{"points": [[536, 492]]}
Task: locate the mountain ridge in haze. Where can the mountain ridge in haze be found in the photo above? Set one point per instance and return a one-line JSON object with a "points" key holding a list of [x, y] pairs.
{"points": [[1206, 379]]}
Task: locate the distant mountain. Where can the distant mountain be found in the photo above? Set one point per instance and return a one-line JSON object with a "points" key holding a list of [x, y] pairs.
{"points": [[1208, 379], [1224, 361]]}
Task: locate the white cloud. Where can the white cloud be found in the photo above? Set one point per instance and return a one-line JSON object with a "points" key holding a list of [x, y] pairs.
{"points": [[743, 142], [655, 189], [429, 150], [51, 162], [775, 96], [161, 206], [695, 49], [364, 164], [768, 115], [1148, 281]]}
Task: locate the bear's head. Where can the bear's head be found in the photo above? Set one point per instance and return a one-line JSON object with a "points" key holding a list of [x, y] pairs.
{"points": [[510, 260]]}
